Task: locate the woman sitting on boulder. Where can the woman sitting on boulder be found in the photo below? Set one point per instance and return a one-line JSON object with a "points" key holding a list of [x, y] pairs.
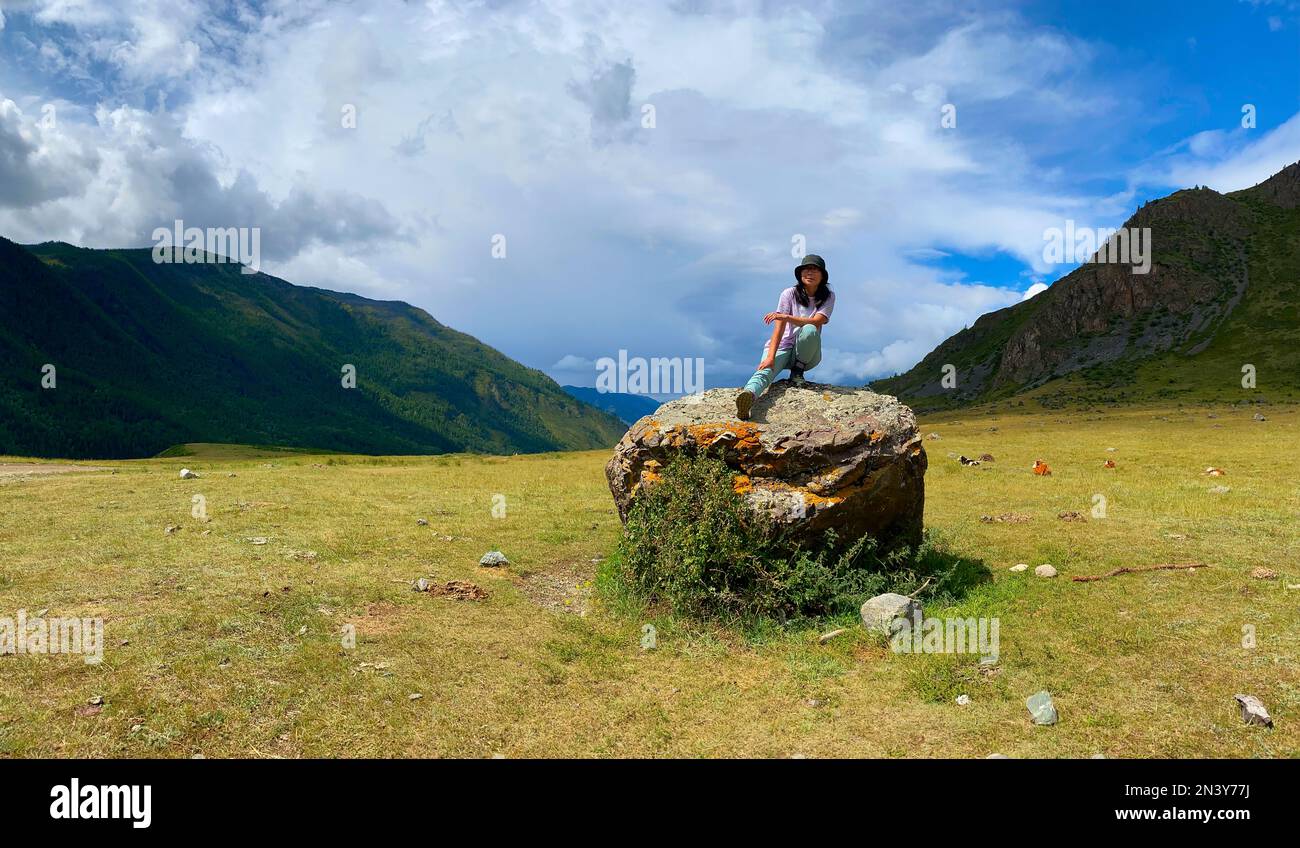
{"points": [[796, 340]]}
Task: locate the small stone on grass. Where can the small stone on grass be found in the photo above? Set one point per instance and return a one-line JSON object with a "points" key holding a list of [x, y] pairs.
{"points": [[1041, 708]]}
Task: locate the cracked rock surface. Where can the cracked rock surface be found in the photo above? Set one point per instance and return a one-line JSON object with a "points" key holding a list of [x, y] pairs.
{"points": [[815, 457]]}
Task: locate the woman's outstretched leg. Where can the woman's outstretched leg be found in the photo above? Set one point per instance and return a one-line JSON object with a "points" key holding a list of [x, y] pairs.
{"points": [[760, 382]]}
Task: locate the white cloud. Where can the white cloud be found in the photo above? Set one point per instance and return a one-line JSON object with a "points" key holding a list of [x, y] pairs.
{"points": [[479, 120], [843, 217], [569, 362], [1035, 289], [110, 181], [1230, 161], [38, 164]]}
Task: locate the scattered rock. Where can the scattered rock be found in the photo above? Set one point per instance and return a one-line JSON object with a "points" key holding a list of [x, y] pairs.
{"points": [[1071, 515], [879, 613], [493, 559], [170, 529], [1215, 472], [187, 474], [1045, 570], [986, 457], [414, 696], [1220, 490], [96, 701], [963, 700], [1042, 469], [826, 637], [1110, 450], [997, 757], [1110, 463], [420, 585], [231, 474], [1262, 573], [934, 437], [423, 522], [1259, 416], [814, 702], [1253, 710], [854, 464], [1041, 708], [1019, 567], [258, 540]]}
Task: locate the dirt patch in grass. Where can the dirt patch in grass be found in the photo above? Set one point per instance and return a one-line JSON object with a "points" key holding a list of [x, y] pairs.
{"points": [[564, 587], [461, 590], [381, 617]]}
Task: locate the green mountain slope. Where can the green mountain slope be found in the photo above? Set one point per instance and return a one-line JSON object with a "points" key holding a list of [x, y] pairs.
{"points": [[148, 356], [1223, 292]]}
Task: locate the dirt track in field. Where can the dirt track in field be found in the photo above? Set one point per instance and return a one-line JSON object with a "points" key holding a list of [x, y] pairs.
{"points": [[14, 469]]}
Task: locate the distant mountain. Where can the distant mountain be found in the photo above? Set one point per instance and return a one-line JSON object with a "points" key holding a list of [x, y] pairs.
{"points": [[147, 356], [1223, 293], [626, 407]]}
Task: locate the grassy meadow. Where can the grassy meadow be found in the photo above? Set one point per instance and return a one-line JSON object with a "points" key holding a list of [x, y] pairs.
{"points": [[218, 646]]}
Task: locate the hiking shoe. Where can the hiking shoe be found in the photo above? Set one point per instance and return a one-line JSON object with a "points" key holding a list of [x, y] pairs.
{"points": [[744, 401], [796, 374]]}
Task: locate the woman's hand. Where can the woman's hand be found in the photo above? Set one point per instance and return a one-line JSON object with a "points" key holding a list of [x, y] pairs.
{"points": [[768, 362], [775, 316]]}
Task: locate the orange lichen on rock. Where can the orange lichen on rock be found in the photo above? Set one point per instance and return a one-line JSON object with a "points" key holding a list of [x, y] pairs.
{"points": [[821, 501], [743, 436], [650, 473]]}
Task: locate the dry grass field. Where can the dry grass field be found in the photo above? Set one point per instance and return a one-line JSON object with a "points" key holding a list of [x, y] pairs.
{"points": [[219, 646]]}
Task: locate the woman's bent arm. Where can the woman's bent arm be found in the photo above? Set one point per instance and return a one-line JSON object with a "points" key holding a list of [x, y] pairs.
{"points": [[818, 319]]}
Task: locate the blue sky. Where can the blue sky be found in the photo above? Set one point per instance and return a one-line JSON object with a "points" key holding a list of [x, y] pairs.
{"points": [[773, 121]]}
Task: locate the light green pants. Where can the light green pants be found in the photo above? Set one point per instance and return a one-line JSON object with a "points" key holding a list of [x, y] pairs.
{"points": [[807, 350]]}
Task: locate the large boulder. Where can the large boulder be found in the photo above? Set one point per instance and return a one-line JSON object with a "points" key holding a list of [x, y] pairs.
{"points": [[814, 457]]}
